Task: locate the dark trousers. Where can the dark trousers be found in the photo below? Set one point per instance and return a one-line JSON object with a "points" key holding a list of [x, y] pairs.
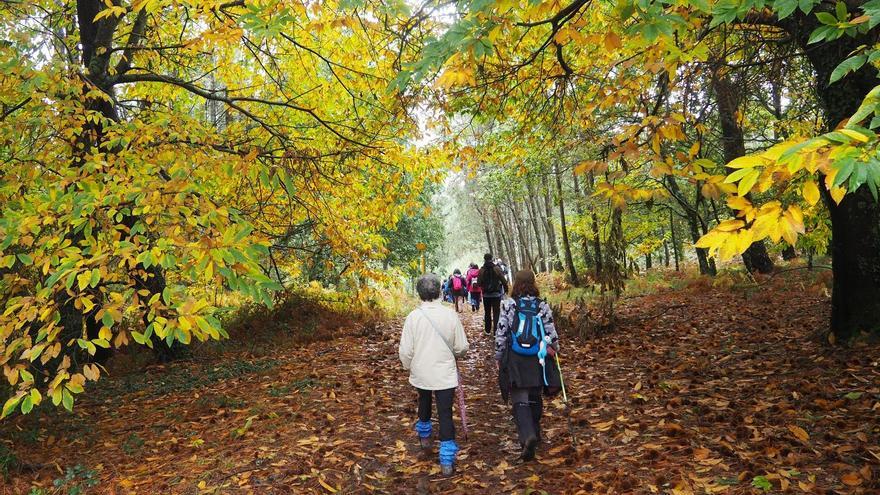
{"points": [[475, 299], [444, 410], [528, 407], [491, 308]]}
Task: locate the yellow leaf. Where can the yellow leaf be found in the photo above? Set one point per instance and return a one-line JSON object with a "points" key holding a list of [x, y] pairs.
{"points": [[730, 225], [799, 432], [855, 135], [747, 161], [811, 192], [738, 203], [747, 182], [837, 194], [328, 487]]}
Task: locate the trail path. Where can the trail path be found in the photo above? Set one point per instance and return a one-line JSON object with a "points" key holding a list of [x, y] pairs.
{"points": [[701, 390]]}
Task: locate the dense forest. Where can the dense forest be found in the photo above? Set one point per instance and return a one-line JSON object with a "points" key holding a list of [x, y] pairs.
{"points": [[178, 173]]}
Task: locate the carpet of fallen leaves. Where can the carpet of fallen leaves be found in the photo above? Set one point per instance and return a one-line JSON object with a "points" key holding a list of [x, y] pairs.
{"points": [[699, 390]]}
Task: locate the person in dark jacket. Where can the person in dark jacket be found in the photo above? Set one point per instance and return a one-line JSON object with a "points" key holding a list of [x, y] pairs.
{"points": [[494, 286], [526, 375]]}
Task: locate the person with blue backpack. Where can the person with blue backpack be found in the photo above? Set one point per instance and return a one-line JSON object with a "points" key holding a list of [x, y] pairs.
{"points": [[525, 347]]}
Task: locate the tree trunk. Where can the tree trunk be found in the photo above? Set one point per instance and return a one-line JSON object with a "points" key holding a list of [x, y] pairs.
{"points": [[524, 252], [584, 241], [553, 250], [533, 217], [674, 240], [647, 261], [665, 253], [855, 222], [728, 97], [694, 222], [569, 261]]}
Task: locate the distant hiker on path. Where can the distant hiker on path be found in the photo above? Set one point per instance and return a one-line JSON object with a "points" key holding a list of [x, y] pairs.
{"points": [[525, 346], [473, 285], [494, 286], [458, 287], [433, 337]]}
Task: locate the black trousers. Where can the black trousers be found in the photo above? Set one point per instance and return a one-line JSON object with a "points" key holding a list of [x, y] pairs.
{"points": [[492, 309], [444, 410]]}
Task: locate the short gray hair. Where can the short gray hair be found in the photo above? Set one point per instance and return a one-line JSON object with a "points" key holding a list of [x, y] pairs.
{"points": [[428, 287]]}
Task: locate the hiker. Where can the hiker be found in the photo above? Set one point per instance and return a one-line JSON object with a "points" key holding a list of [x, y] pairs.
{"points": [[504, 270], [493, 286], [432, 339], [525, 347], [447, 290], [458, 288], [473, 285]]}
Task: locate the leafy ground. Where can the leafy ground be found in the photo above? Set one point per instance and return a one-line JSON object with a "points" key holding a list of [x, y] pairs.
{"points": [[699, 390]]}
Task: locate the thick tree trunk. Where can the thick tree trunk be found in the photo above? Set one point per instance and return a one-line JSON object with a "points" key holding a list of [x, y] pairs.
{"points": [[728, 97], [855, 222], [566, 246]]}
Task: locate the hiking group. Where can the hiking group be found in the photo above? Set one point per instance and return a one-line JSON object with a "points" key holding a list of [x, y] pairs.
{"points": [[525, 349]]}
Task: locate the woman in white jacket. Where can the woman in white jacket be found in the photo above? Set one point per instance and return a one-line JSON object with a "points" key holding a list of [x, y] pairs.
{"points": [[433, 337]]}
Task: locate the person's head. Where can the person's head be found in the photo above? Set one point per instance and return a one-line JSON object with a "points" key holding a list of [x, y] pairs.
{"points": [[428, 287], [524, 285], [473, 265], [487, 257], [456, 272]]}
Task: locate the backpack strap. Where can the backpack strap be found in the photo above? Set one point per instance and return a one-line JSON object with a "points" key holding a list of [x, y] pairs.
{"points": [[448, 345]]}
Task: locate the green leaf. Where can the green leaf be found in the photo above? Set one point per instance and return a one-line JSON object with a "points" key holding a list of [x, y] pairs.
{"points": [[826, 18], [840, 11], [762, 483], [67, 399], [10, 405], [27, 404], [851, 64], [853, 395], [25, 259], [785, 8]]}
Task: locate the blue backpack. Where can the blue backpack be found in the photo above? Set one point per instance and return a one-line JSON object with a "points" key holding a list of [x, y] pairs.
{"points": [[526, 338]]}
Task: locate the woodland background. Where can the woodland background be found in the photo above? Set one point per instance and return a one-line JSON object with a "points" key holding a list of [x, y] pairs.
{"points": [[189, 180]]}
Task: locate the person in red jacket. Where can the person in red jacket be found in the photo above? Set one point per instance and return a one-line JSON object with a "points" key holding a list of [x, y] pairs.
{"points": [[474, 289], [458, 287]]}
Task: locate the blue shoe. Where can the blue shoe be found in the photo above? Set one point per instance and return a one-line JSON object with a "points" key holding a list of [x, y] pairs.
{"points": [[448, 451], [424, 430]]}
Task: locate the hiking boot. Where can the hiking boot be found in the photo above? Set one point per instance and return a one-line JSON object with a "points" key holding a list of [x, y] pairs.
{"points": [[528, 450], [447, 469], [537, 411], [425, 443]]}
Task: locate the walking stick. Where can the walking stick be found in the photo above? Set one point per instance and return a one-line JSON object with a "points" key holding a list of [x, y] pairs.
{"points": [[567, 408], [462, 409]]}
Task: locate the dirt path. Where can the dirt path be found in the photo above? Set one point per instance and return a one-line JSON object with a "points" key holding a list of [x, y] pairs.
{"points": [[702, 390]]}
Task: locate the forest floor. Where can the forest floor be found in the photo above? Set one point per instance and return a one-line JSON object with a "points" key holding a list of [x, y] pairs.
{"points": [[699, 390]]}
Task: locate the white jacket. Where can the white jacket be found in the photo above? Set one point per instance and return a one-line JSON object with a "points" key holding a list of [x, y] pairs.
{"points": [[422, 348]]}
